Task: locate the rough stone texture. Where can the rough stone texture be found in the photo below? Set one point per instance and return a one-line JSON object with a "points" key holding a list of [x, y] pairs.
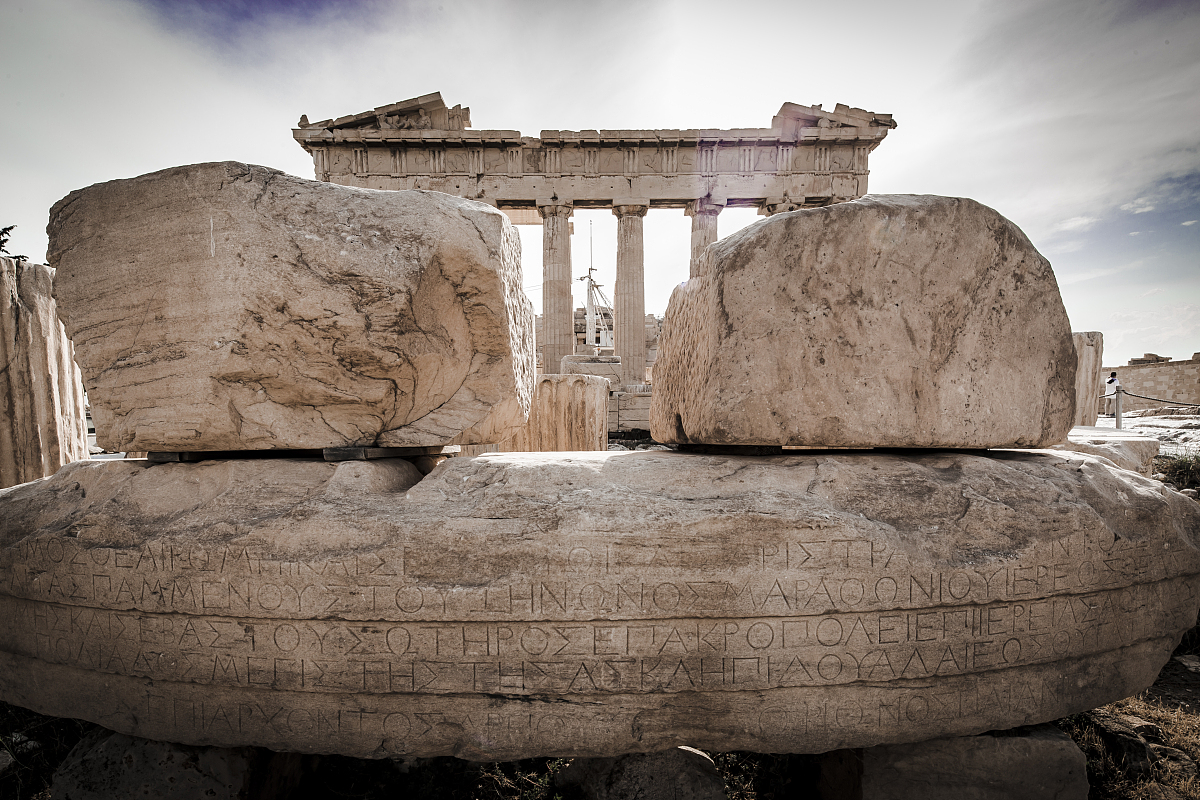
{"points": [[1089, 382], [568, 412], [681, 773], [226, 306], [590, 604], [1127, 449], [605, 366], [1039, 764], [43, 424], [106, 765], [893, 320]]}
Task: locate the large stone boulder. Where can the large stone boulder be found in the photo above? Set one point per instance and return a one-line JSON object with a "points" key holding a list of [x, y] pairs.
{"points": [[889, 321], [227, 306], [590, 604], [43, 424]]}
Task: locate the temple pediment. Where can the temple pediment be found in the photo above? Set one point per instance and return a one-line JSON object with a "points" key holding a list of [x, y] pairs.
{"points": [[425, 113]]}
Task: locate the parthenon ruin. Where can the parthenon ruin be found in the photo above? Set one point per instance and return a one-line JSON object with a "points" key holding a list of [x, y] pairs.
{"points": [[809, 157]]}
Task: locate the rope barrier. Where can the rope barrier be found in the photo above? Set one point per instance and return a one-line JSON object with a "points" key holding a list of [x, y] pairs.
{"points": [[1155, 399]]}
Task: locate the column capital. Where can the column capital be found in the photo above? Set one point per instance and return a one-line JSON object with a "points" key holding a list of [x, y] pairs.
{"points": [[631, 209], [704, 205], [555, 208]]}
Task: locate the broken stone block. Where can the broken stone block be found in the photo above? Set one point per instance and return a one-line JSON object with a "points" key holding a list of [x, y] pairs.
{"points": [[890, 321], [608, 367], [1127, 449], [227, 306], [1089, 354], [681, 773], [590, 604], [106, 765], [1041, 763], [43, 424], [568, 412]]}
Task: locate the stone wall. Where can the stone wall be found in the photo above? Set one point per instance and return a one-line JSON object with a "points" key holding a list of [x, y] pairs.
{"points": [[42, 419], [1176, 381]]}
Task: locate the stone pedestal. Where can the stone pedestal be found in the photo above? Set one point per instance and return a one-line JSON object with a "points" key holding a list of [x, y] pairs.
{"points": [[558, 324], [1089, 383], [106, 765], [1040, 763], [629, 313], [704, 229], [590, 604], [568, 412], [43, 424], [681, 773]]}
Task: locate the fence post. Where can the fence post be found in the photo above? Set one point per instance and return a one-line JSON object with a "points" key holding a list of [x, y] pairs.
{"points": [[1120, 394]]}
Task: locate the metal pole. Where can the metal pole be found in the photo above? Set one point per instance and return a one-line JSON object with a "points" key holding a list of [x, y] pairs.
{"points": [[1120, 393], [590, 326]]}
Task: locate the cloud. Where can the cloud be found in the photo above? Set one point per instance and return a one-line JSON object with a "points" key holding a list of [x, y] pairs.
{"points": [[1134, 233], [1062, 248], [1079, 224], [1189, 222], [1139, 206], [1155, 290]]}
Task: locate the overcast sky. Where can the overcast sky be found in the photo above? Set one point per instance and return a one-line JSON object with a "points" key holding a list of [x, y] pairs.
{"points": [[1077, 119]]}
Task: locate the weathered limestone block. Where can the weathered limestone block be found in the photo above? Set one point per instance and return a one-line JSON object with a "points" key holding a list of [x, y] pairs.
{"points": [[227, 306], [43, 424], [681, 773], [1127, 449], [568, 412], [1039, 764], [890, 321], [1089, 384], [106, 765], [590, 604], [605, 366]]}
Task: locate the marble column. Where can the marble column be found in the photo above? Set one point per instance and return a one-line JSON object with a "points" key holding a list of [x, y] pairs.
{"points": [[704, 229], [629, 313], [558, 322]]}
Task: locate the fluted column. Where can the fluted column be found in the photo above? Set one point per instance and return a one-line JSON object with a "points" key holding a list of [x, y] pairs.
{"points": [[629, 313], [558, 322], [704, 229]]}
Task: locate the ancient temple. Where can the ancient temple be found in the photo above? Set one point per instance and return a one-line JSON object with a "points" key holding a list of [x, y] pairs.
{"points": [[808, 157]]}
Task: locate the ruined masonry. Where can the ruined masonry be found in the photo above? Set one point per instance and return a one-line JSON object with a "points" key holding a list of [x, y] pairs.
{"points": [[808, 157], [43, 424], [727, 596]]}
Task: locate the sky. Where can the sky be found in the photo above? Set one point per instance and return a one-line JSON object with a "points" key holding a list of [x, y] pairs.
{"points": [[1077, 119]]}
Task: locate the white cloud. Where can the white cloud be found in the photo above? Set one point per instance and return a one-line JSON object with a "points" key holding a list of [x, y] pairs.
{"points": [[1079, 224], [1189, 222], [1155, 290], [1139, 206], [1134, 233], [1069, 246]]}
